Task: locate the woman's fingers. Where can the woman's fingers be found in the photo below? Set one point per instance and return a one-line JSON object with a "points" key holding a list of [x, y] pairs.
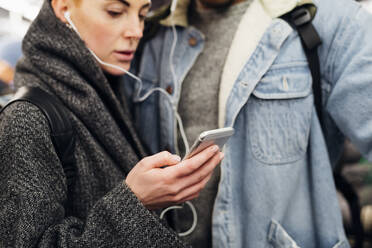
{"points": [[189, 198], [159, 160], [177, 194], [178, 185], [203, 172], [192, 164], [157, 187], [190, 192]]}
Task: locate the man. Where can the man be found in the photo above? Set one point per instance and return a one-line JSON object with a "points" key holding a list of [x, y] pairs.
{"points": [[238, 64], [6, 78], [10, 52], [6, 73]]}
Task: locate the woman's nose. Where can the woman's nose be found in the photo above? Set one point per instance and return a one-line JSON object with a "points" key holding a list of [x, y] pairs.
{"points": [[135, 29]]}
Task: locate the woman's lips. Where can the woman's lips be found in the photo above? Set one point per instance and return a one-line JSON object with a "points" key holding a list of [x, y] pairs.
{"points": [[124, 56]]}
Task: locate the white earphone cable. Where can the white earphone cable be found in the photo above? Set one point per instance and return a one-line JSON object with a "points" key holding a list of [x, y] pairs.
{"points": [[180, 123]]}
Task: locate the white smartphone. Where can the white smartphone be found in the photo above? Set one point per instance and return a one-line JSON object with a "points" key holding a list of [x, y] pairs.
{"points": [[211, 137]]}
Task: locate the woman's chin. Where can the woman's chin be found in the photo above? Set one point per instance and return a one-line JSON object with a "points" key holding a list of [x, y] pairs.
{"points": [[116, 72]]}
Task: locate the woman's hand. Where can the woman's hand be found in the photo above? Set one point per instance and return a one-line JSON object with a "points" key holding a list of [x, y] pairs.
{"points": [[162, 180]]}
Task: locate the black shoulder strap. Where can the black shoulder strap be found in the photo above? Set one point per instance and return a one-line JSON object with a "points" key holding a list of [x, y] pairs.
{"points": [[62, 133], [300, 18]]}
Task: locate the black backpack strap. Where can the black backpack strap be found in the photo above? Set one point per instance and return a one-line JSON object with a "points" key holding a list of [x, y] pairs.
{"points": [[62, 133], [300, 18]]}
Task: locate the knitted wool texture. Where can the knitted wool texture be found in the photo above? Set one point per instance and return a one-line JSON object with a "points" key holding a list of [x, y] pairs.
{"points": [[33, 190]]}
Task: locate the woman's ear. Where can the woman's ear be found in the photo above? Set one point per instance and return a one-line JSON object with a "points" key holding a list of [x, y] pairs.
{"points": [[60, 7]]}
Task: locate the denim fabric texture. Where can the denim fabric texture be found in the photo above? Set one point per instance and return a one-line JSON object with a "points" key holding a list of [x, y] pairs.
{"points": [[276, 187]]}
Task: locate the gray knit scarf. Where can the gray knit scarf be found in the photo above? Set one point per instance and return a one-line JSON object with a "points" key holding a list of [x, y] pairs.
{"points": [[57, 60]]}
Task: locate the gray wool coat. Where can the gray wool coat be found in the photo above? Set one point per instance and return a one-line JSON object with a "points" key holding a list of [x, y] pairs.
{"points": [[33, 192]]}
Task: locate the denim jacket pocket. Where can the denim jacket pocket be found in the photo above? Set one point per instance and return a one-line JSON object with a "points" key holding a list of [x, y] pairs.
{"points": [[280, 114], [341, 244], [279, 238]]}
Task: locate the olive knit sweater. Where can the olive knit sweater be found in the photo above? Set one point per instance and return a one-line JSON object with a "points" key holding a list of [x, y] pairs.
{"points": [[33, 192]]}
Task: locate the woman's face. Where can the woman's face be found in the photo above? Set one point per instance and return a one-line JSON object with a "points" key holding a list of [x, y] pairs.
{"points": [[110, 28]]}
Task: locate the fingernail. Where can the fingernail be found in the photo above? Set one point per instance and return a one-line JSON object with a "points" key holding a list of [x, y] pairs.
{"points": [[222, 155], [176, 157], [215, 148]]}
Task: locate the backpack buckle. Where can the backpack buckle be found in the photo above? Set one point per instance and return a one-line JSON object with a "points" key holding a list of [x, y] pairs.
{"points": [[301, 16]]}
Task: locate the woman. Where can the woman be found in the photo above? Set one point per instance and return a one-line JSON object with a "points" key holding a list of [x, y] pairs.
{"points": [[113, 192]]}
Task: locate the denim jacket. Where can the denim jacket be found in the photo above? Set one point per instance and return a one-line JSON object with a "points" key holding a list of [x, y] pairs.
{"points": [[276, 187]]}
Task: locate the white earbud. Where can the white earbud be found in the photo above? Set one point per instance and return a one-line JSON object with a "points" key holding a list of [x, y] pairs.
{"points": [[67, 15], [68, 19]]}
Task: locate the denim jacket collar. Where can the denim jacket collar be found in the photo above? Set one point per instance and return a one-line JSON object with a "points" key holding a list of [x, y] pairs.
{"points": [[252, 27], [254, 24], [274, 8]]}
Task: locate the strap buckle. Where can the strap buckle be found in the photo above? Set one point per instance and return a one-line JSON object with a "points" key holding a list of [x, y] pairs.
{"points": [[301, 16]]}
